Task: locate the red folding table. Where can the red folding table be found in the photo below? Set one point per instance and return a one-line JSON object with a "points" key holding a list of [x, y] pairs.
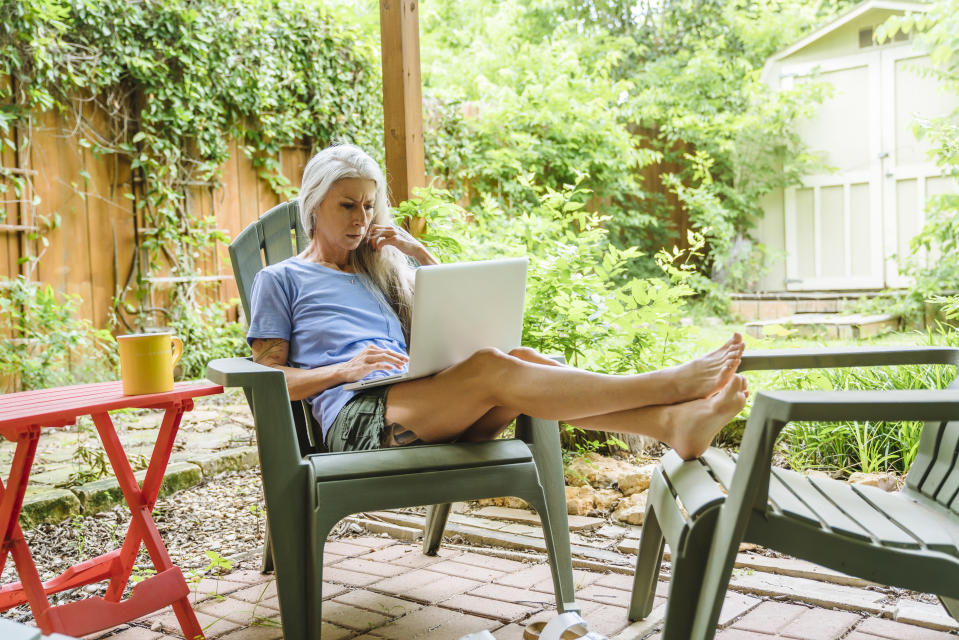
{"points": [[22, 415]]}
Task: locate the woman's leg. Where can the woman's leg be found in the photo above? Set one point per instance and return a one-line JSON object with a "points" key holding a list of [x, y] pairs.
{"points": [[489, 388]]}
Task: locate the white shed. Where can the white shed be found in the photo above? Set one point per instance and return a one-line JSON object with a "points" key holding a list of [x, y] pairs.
{"points": [[841, 230]]}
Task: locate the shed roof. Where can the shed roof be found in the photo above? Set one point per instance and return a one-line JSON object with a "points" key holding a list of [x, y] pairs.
{"points": [[847, 17]]}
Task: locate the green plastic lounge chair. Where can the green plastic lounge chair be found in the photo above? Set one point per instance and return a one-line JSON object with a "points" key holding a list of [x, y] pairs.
{"points": [[907, 539], [308, 491]]}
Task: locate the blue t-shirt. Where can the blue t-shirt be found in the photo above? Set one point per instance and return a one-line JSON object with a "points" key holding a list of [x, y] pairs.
{"points": [[327, 316]]}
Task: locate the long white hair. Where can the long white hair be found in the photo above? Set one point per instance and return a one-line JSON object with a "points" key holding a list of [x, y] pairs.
{"points": [[389, 269]]}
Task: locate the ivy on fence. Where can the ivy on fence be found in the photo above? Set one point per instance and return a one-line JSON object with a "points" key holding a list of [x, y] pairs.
{"points": [[178, 80]]}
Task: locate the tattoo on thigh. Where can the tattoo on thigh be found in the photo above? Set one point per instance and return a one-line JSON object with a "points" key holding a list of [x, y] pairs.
{"points": [[396, 435]]}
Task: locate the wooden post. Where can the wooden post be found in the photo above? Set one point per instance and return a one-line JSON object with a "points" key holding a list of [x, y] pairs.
{"points": [[402, 98]]}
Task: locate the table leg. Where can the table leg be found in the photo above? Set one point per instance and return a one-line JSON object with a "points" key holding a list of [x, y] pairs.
{"points": [[162, 450], [11, 501], [141, 502]]}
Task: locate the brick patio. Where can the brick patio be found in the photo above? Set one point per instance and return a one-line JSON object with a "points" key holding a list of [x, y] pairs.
{"points": [[377, 588]]}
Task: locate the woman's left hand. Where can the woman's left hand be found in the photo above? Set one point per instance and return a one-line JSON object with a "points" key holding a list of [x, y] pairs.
{"points": [[387, 235]]}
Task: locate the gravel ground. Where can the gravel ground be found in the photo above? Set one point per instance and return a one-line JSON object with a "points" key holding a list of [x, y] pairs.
{"points": [[221, 518]]}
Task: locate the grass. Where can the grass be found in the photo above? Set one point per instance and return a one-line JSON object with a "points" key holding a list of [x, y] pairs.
{"points": [[841, 448]]}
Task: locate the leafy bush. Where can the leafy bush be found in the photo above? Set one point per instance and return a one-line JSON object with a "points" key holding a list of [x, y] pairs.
{"points": [[45, 344], [557, 89], [579, 302], [207, 334]]}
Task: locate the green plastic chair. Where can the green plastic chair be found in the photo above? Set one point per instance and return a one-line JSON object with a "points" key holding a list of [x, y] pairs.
{"points": [[308, 491], [907, 539]]}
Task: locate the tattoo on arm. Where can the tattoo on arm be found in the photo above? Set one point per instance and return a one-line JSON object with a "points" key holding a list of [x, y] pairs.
{"points": [[270, 352], [396, 435]]}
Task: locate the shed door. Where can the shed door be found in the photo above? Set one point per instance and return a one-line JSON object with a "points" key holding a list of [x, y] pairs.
{"points": [[909, 176], [834, 221]]}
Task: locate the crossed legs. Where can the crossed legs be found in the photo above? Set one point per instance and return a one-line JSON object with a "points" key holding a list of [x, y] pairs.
{"points": [[683, 406]]}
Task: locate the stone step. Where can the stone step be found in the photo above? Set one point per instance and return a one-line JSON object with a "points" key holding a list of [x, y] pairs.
{"points": [[824, 325], [767, 306]]}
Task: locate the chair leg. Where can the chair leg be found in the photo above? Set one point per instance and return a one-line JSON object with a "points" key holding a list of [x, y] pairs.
{"points": [[267, 566], [320, 531], [435, 525], [687, 577], [648, 562], [556, 537], [951, 605]]}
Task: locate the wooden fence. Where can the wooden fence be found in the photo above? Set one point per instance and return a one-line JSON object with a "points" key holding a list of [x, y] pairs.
{"points": [[92, 253]]}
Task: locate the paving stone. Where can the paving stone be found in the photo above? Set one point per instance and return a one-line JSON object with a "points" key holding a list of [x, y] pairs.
{"points": [[855, 635], [470, 571], [212, 587], [257, 592], [249, 576], [362, 565], [378, 602], [739, 634], [924, 614], [239, 611], [512, 594], [616, 581], [812, 592], [346, 549], [411, 556], [138, 633], [49, 505], [260, 631], [433, 622], [820, 624], [497, 609], [607, 619], [333, 632], [581, 579], [426, 586], [370, 542], [576, 523], [734, 606], [351, 578], [492, 562], [212, 627], [222, 461], [604, 595], [769, 617], [510, 632], [540, 576], [345, 615], [330, 590], [899, 631]]}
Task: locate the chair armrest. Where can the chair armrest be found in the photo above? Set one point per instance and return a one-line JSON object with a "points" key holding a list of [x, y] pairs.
{"points": [[242, 372], [916, 404], [843, 357]]}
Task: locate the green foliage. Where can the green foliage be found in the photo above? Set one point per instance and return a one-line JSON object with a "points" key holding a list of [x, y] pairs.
{"points": [[934, 263], [175, 82], [858, 446], [52, 345], [207, 334], [579, 301], [607, 88]]}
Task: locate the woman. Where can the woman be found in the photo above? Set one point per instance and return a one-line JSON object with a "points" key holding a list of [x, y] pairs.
{"points": [[340, 312]]}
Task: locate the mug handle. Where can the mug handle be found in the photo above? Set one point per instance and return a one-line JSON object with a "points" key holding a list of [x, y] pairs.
{"points": [[177, 349]]}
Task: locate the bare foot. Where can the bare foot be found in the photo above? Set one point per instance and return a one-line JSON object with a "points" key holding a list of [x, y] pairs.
{"points": [[706, 375], [695, 423]]}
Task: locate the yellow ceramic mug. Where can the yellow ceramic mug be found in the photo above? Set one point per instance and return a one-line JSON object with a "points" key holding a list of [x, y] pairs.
{"points": [[146, 362]]}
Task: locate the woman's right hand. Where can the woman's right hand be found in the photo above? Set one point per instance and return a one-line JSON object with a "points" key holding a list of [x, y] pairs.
{"points": [[371, 359]]}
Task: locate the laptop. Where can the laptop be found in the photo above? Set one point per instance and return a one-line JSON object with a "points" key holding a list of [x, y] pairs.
{"points": [[458, 309]]}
